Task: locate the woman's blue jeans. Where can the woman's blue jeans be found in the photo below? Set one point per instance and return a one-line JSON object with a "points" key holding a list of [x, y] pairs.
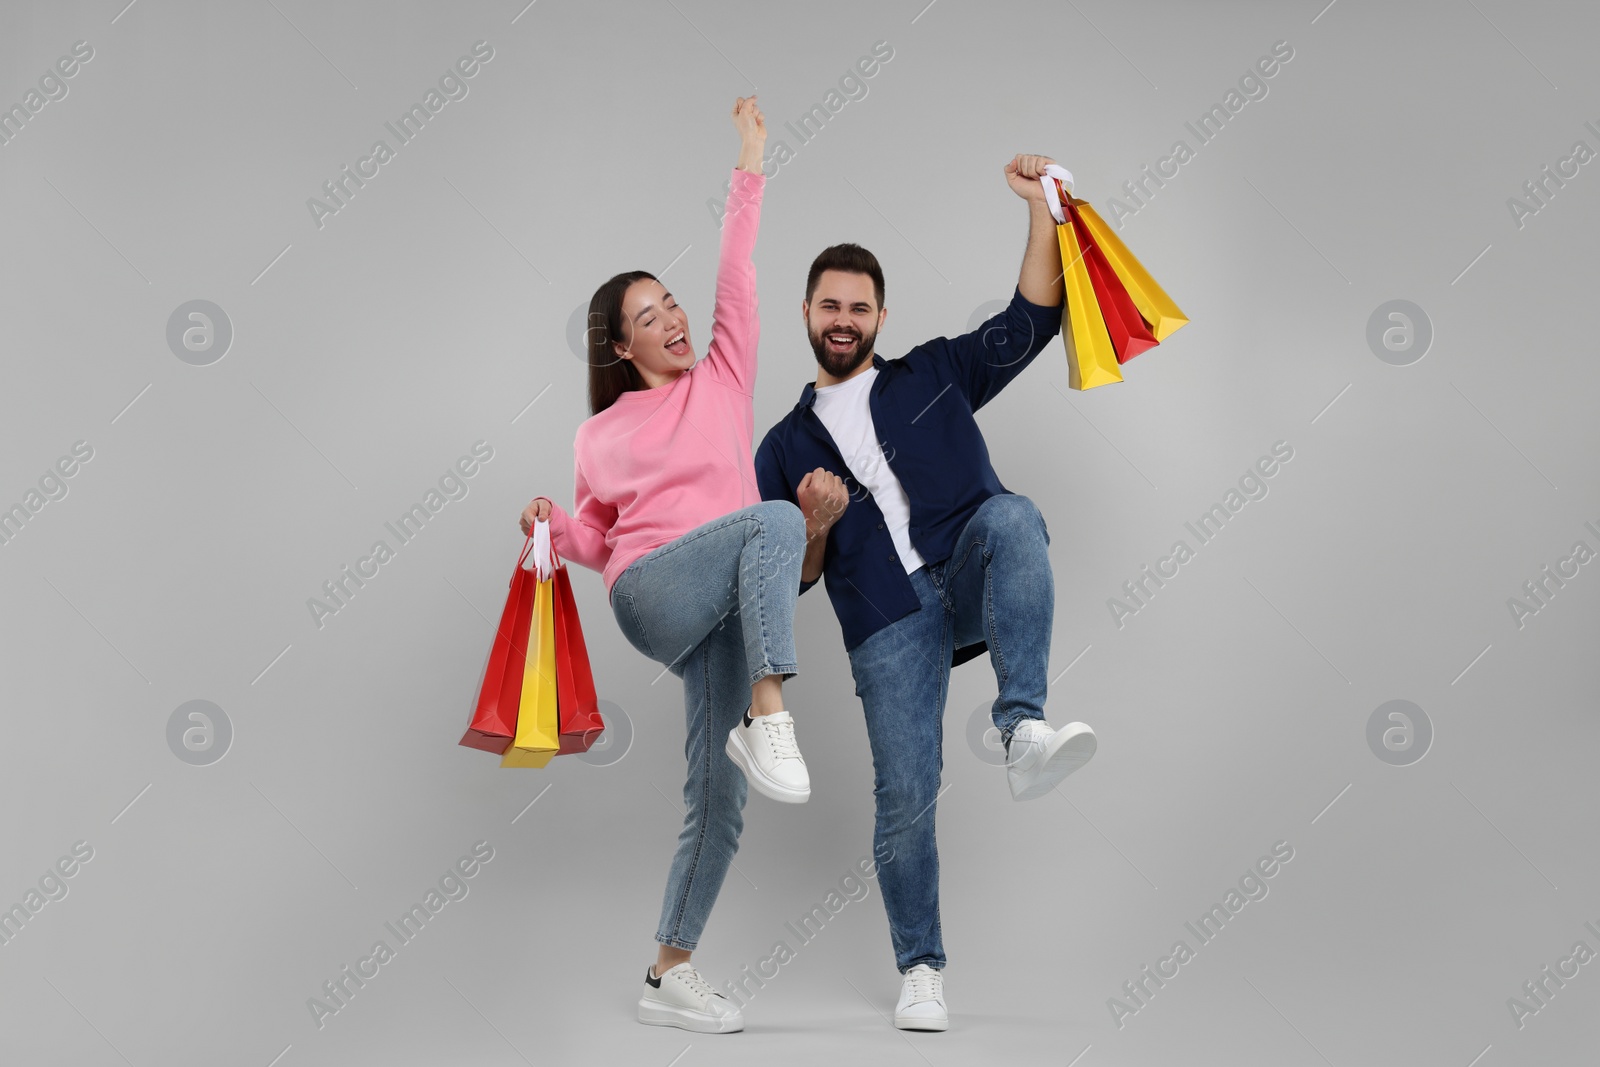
{"points": [[716, 607]]}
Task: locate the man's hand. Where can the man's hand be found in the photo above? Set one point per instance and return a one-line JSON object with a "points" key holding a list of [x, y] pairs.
{"points": [[1040, 281], [823, 498], [1023, 174]]}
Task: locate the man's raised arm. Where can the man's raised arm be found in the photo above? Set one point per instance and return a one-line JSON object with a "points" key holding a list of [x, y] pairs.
{"points": [[986, 359], [1041, 278]]}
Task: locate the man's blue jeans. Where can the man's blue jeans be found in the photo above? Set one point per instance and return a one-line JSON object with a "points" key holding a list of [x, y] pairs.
{"points": [[716, 607], [996, 587]]}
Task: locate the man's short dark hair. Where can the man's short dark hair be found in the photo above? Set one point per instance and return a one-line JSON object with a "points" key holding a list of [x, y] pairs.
{"points": [[850, 258]]}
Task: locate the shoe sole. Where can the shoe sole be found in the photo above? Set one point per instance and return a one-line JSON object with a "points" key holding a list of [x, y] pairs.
{"points": [[745, 761], [1073, 752], [665, 1015], [921, 1024]]}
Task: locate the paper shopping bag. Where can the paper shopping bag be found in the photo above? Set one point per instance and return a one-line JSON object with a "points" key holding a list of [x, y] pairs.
{"points": [[538, 727], [538, 723], [1091, 360], [494, 721], [1153, 303], [1129, 335], [575, 696]]}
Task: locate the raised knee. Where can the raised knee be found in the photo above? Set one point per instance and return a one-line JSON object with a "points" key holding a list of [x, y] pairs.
{"points": [[1012, 511], [782, 520], [1012, 505]]}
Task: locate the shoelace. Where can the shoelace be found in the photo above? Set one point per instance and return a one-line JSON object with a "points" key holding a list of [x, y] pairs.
{"points": [[925, 985], [691, 978], [1023, 740], [780, 735]]}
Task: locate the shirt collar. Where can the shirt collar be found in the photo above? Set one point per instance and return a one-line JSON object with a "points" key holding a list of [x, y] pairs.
{"points": [[808, 395]]}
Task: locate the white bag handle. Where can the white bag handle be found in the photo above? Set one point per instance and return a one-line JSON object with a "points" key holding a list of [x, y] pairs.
{"points": [[1051, 198], [541, 550]]}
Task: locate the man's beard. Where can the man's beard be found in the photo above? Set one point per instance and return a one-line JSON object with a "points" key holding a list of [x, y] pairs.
{"points": [[841, 364]]}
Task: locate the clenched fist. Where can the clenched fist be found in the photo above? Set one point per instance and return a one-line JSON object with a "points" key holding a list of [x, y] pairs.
{"points": [[538, 510], [823, 498], [1023, 174], [748, 119], [752, 127]]}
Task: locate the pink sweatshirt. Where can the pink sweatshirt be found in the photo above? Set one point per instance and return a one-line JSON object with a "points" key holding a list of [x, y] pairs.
{"points": [[660, 462]]}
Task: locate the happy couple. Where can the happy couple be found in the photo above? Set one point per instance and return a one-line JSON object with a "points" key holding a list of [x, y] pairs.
{"points": [[879, 480]]}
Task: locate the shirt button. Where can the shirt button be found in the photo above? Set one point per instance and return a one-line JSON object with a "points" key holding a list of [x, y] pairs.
{"points": [[880, 525], [891, 557]]}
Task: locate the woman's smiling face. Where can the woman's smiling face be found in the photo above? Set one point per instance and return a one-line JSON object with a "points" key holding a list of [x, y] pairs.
{"points": [[655, 333]]}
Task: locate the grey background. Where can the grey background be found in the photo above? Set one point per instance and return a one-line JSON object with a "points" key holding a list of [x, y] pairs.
{"points": [[368, 355]]}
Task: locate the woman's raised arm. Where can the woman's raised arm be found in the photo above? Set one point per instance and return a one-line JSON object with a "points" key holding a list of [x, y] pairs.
{"points": [[735, 323]]}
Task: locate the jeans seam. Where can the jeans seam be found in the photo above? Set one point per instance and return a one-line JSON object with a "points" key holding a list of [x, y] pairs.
{"points": [[942, 586], [761, 604], [978, 543], [705, 803], [638, 624], [993, 634]]}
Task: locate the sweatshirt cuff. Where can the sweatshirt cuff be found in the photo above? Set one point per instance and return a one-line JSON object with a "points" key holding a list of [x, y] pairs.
{"points": [[558, 515], [747, 186]]}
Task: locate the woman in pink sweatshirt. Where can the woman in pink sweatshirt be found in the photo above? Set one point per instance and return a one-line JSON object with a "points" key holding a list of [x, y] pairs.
{"points": [[702, 575]]}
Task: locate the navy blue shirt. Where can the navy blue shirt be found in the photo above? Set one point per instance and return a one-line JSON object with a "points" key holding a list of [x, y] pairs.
{"points": [[922, 411]]}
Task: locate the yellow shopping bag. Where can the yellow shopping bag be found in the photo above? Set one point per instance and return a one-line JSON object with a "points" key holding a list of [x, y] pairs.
{"points": [[1091, 358], [538, 735], [1155, 306]]}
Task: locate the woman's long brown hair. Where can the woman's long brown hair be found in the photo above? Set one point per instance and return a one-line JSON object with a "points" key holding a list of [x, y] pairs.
{"points": [[609, 374]]}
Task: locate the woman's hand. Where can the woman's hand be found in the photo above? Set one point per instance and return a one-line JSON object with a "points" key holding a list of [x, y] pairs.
{"points": [[538, 510], [752, 127]]}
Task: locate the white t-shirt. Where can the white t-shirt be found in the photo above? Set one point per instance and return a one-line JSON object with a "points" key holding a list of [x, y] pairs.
{"points": [[844, 410]]}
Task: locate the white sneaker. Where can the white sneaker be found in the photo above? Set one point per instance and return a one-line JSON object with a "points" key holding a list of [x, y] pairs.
{"points": [[681, 998], [921, 1004], [764, 748], [1037, 757]]}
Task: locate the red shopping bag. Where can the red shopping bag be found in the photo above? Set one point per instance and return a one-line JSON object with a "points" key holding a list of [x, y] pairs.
{"points": [[1129, 334], [494, 721], [576, 703]]}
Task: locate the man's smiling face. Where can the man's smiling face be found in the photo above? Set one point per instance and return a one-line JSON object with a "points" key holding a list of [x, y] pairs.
{"points": [[842, 321]]}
